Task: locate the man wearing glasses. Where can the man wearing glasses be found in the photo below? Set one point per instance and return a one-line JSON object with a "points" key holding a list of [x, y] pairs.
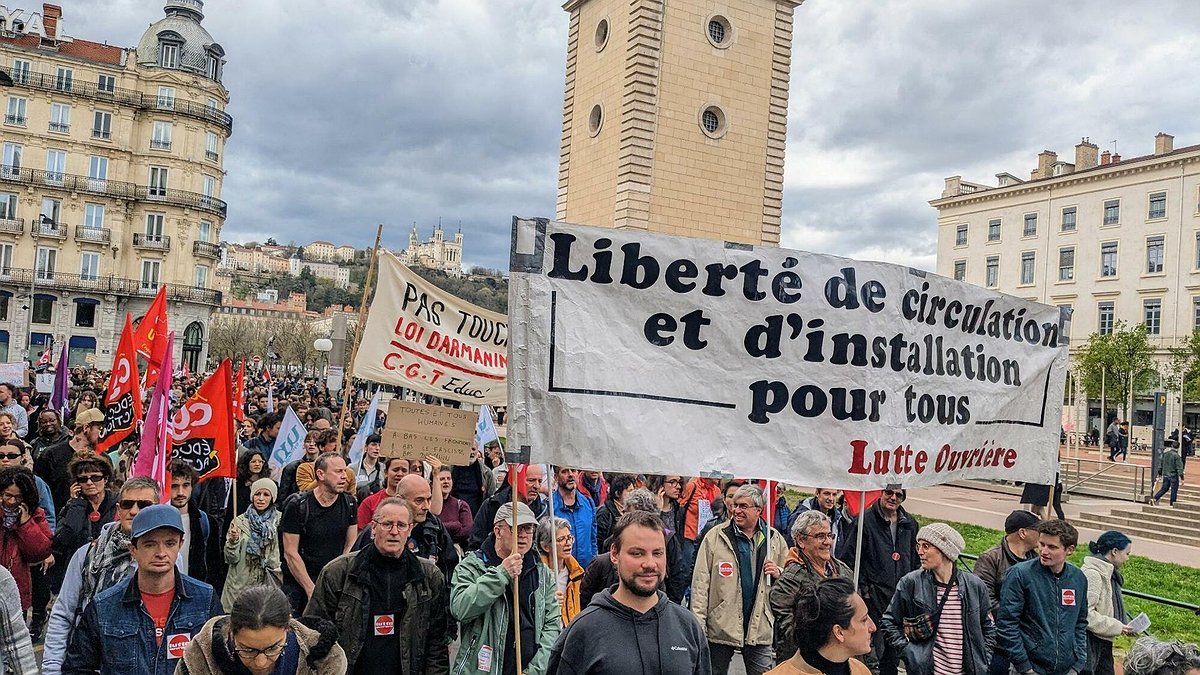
{"points": [[144, 623], [389, 605], [531, 494], [481, 598], [51, 465], [889, 551], [95, 567], [575, 508], [808, 562]]}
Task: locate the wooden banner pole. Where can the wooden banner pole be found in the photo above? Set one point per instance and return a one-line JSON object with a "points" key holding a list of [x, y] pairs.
{"points": [[348, 373]]}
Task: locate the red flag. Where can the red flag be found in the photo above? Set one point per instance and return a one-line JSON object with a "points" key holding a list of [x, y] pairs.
{"points": [[517, 478], [154, 452], [239, 393], [770, 490], [45, 359], [854, 500], [186, 371], [266, 374], [202, 432], [123, 399], [162, 344], [153, 324]]}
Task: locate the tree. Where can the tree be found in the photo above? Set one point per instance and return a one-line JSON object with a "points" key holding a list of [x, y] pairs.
{"points": [[1183, 368], [1111, 360], [271, 241], [300, 253]]}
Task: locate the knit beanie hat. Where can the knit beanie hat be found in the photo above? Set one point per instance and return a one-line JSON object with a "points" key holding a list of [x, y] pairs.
{"points": [[265, 484], [944, 538]]}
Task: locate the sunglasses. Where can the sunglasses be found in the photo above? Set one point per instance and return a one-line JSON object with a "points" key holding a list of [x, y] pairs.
{"points": [[90, 478], [12, 455], [127, 504]]}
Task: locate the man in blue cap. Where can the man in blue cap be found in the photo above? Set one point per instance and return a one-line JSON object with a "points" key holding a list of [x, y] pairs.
{"points": [[143, 624]]}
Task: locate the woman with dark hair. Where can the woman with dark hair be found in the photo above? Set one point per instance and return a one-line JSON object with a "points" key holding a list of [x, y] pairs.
{"points": [[260, 637], [606, 516], [87, 401], [1151, 656], [251, 466], [24, 532], [830, 627], [90, 507], [1106, 615]]}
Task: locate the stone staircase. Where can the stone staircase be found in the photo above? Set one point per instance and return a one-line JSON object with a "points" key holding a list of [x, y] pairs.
{"points": [[1179, 524]]}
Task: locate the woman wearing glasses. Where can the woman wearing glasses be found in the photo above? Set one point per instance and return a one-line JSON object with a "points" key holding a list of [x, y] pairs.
{"points": [[90, 507], [252, 545], [557, 532], [260, 637], [808, 562], [24, 532]]}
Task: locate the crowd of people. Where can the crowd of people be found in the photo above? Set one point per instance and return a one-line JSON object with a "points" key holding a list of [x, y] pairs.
{"points": [[385, 564]]}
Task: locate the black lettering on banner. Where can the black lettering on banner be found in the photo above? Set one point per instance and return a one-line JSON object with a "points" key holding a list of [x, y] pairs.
{"points": [[199, 452], [425, 309], [118, 417]]}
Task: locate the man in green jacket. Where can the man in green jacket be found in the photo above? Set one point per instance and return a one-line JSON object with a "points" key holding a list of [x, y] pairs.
{"points": [[481, 598], [1171, 469]]}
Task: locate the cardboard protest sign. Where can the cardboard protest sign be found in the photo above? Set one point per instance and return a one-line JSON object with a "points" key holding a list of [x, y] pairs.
{"points": [[414, 430], [14, 373], [644, 352], [422, 338]]}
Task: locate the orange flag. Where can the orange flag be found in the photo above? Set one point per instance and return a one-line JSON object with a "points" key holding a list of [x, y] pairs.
{"points": [[202, 432], [123, 399]]}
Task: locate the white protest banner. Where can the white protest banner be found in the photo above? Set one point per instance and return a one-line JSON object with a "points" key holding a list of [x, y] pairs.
{"points": [[289, 444], [642, 352], [14, 373], [421, 337]]}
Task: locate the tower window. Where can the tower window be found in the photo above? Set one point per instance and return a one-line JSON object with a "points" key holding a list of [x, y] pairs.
{"points": [[601, 34], [719, 31], [595, 119], [712, 121]]}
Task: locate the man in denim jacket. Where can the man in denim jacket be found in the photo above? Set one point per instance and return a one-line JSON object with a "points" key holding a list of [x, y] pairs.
{"points": [[142, 624]]}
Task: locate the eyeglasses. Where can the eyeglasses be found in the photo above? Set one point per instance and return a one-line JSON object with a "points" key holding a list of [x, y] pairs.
{"points": [[672, 481], [392, 527], [819, 536], [127, 504], [91, 478], [272, 652], [893, 493], [743, 507], [12, 455], [566, 540]]}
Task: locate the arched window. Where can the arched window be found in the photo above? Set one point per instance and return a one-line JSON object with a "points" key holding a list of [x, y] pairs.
{"points": [[193, 343]]}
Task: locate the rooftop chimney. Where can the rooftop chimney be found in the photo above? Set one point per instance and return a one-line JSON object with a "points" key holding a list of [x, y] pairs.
{"points": [[1105, 158], [1046, 160], [1116, 158], [1163, 143], [1086, 155], [50, 16]]}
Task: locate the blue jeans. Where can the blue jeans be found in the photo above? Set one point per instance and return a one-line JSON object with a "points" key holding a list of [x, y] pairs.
{"points": [[1169, 483]]}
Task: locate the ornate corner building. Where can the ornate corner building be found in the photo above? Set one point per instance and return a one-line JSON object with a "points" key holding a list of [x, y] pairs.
{"points": [[110, 183], [675, 116]]}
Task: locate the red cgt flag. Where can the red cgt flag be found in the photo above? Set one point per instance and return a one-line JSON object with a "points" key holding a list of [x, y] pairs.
{"points": [[239, 393], [150, 339], [123, 399], [202, 432]]}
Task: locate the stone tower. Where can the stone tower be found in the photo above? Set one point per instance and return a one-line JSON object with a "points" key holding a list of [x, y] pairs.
{"points": [[675, 116]]}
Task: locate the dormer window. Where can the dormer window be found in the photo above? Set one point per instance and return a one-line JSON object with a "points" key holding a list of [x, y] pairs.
{"points": [[214, 68], [215, 55], [168, 55]]}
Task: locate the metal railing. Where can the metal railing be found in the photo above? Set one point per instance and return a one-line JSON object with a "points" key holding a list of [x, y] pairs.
{"points": [[113, 188], [43, 228], [156, 242], [12, 225], [130, 97], [206, 250], [97, 235], [1074, 474], [46, 279]]}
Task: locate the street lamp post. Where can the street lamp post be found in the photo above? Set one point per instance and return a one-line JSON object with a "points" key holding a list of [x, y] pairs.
{"points": [[323, 345]]}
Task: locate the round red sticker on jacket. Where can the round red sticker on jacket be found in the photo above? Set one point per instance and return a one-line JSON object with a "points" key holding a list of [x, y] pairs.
{"points": [[896, 556], [725, 569], [1068, 597], [385, 624], [177, 645]]}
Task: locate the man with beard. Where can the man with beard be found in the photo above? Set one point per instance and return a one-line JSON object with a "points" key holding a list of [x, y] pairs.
{"points": [[574, 507], [49, 432], [481, 598], [667, 637]]}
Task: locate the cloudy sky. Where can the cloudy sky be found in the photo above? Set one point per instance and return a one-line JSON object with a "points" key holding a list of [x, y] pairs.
{"points": [[349, 114]]}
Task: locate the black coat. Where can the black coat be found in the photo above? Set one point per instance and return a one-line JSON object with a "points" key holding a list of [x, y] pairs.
{"points": [[482, 528], [884, 560], [601, 573], [206, 556], [75, 528]]}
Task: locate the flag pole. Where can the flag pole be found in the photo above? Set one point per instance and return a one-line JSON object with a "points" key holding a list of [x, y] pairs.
{"points": [[516, 608], [554, 529], [348, 374], [770, 516], [862, 513]]}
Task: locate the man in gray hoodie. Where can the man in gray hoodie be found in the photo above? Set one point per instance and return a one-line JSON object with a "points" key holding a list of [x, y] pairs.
{"points": [[666, 638]]}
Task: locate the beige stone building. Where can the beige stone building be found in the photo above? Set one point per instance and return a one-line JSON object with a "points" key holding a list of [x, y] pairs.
{"points": [[110, 182], [436, 253], [322, 251], [675, 116], [1108, 237]]}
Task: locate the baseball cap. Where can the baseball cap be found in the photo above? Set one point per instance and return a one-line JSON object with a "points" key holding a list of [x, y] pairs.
{"points": [[89, 416], [524, 514], [153, 517], [1020, 519]]}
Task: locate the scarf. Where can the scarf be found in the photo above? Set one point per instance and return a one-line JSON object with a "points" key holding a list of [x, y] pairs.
{"points": [[262, 531], [1118, 582], [106, 563], [10, 517]]}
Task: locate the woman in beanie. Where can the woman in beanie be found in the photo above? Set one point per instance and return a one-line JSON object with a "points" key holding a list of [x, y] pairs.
{"points": [[1106, 609], [939, 618], [830, 626], [252, 546]]}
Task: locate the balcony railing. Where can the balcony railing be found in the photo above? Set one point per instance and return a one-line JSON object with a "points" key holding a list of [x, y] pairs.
{"points": [[14, 119], [206, 250], [46, 279], [102, 134], [52, 83], [113, 188], [96, 235], [60, 128], [52, 230], [12, 226], [160, 145], [211, 155], [153, 242]]}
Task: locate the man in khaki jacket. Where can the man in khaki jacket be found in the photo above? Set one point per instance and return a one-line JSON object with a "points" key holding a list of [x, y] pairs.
{"points": [[734, 569]]}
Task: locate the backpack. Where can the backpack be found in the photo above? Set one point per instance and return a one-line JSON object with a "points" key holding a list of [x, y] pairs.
{"points": [[303, 499]]}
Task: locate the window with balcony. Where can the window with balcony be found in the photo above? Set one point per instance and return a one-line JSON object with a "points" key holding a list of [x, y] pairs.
{"points": [[63, 78], [20, 71], [47, 260], [154, 226], [207, 185], [1027, 261], [158, 181], [98, 169], [43, 308], [205, 231], [960, 235], [1112, 212], [6, 253], [210, 147], [93, 217], [150, 269], [1066, 264], [106, 83], [166, 98], [89, 266], [8, 206], [51, 215], [992, 272], [161, 138], [12, 159], [1108, 259], [60, 118], [1105, 311], [1030, 225], [1158, 205], [1154, 255], [994, 230], [56, 166], [1068, 219], [201, 276], [15, 113], [1152, 316], [102, 125]]}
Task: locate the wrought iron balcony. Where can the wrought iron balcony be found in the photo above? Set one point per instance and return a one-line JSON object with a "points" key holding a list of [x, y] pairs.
{"points": [[130, 97], [47, 229], [206, 250], [211, 155], [46, 279], [113, 188], [160, 145], [12, 226], [95, 235], [151, 242], [60, 128], [15, 119]]}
